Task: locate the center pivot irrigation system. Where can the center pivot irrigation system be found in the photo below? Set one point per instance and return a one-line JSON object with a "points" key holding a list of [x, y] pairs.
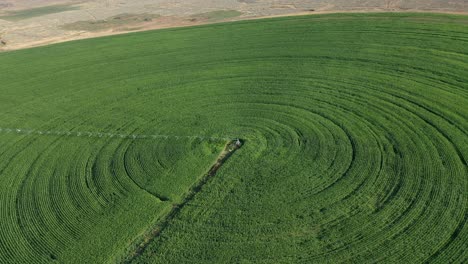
{"points": [[231, 145], [110, 135]]}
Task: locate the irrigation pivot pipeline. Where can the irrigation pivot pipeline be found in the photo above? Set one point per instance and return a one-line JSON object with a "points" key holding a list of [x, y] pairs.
{"points": [[89, 134]]}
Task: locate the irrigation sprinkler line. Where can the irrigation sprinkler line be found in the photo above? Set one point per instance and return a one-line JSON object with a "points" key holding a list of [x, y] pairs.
{"points": [[231, 146], [88, 134]]}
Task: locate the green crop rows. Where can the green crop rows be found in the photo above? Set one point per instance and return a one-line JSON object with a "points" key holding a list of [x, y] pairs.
{"points": [[355, 131]]}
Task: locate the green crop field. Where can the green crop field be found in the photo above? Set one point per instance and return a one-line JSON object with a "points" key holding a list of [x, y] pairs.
{"points": [[355, 132]]}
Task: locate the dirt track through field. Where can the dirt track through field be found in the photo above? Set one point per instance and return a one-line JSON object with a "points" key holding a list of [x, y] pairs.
{"points": [[231, 146], [227, 152]]}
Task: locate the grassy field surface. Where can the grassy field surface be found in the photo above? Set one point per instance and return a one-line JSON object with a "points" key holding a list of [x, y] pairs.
{"points": [[355, 130]]}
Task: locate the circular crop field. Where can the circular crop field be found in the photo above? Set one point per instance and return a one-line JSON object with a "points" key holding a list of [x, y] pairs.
{"points": [[354, 130]]}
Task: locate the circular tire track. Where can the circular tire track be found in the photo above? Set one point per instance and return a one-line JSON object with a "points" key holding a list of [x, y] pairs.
{"points": [[355, 131]]}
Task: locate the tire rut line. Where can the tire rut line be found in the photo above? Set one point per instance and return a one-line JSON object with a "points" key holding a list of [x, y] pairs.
{"points": [[228, 151]]}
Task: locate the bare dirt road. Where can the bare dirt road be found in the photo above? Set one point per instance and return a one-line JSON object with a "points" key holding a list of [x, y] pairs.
{"points": [[29, 23]]}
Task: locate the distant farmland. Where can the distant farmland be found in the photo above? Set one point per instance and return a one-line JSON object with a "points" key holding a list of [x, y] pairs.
{"points": [[354, 131]]}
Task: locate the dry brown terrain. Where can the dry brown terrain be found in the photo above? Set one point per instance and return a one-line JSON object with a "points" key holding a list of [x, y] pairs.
{"points": [[28, 23]]}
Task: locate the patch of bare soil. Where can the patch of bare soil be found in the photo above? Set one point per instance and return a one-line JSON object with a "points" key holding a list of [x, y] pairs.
{"points": [[113, 23]]}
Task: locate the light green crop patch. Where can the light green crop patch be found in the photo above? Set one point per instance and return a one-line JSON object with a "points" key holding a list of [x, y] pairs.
{"points": [[36, 12]]}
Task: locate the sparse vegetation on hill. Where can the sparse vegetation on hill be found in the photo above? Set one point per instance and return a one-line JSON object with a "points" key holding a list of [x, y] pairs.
{"points": [[35, 12], [219, 15], [114, 22]]}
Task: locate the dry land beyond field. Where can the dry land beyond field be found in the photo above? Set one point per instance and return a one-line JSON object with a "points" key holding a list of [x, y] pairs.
{"points": [[28, 23]]}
